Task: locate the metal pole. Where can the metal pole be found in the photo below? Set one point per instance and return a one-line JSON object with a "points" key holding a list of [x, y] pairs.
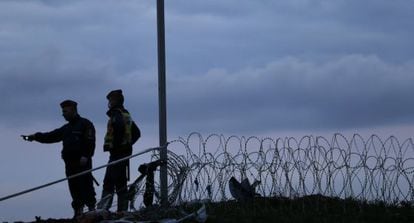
{"points": [[162, 101]]}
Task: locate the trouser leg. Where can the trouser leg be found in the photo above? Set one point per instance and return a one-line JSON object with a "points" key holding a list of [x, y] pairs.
{"points": [[121, 186], [81, 188], [88, 191], [108, 189], [76, 201], [122, 201], [116, 178], [74, 185]]}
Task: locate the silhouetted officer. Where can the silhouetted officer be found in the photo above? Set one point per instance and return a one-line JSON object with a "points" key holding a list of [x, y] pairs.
{"points": [[119, 145], [78, 139]]}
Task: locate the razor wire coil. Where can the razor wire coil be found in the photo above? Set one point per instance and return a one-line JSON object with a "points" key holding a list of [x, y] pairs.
{"points": [[369, 169]]}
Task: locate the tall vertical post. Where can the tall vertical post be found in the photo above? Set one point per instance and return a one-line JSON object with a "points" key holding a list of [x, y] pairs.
{"points": [[162, 100]]}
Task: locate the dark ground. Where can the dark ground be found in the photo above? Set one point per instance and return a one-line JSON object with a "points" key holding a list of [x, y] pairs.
{"points": [[314, 208]]}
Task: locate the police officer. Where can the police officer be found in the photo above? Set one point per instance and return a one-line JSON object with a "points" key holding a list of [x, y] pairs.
{"points": [[118, 144], [78, 138]]}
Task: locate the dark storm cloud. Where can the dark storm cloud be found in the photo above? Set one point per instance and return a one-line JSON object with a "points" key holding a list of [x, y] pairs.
{"points": [[32, 91], [106, 31], [53, 50], [317, 64], [253, 32], [292, 94]]}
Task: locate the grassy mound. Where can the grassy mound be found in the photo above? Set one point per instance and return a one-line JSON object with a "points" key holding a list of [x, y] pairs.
{"points": [[314, 208]]}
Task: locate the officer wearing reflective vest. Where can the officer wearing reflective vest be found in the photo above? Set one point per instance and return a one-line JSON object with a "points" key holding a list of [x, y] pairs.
{"points": [[118, 144]]}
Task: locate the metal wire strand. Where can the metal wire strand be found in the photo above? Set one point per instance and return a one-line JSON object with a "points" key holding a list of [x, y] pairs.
{"points": [[76, 175]]}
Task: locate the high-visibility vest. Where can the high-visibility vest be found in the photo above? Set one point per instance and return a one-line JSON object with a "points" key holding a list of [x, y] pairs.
{"points": [[109, 137]]}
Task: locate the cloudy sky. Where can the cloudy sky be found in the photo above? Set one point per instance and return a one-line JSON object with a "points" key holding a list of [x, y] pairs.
{"points": [[265, 67]]}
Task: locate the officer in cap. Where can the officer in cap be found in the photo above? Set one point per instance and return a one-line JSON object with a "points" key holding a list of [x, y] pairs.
{"points": [[118, 143], [78, 139]]}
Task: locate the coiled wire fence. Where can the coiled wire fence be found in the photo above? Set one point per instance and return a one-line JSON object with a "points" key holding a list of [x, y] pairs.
{"points": [[369, 169], [200, 168]]}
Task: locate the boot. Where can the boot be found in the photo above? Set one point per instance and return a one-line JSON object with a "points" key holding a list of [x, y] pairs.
{"points": [[91, 207], [91, 203], [77, 212]]}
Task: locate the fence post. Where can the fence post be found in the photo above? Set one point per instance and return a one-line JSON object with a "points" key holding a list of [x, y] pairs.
{"points": [[162, 100]]}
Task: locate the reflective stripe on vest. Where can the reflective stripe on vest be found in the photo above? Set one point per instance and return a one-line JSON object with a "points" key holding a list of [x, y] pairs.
{"points": [[109, 137]]}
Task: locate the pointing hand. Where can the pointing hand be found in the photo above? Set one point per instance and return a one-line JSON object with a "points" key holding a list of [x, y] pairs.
{"points": [[28, 137]]}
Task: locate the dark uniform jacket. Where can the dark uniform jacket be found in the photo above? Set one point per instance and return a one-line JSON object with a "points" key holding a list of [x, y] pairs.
{"points": [[77, 136]]}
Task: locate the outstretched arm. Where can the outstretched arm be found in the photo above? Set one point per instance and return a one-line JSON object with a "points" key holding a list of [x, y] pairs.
{"points": [[46, 137]]}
